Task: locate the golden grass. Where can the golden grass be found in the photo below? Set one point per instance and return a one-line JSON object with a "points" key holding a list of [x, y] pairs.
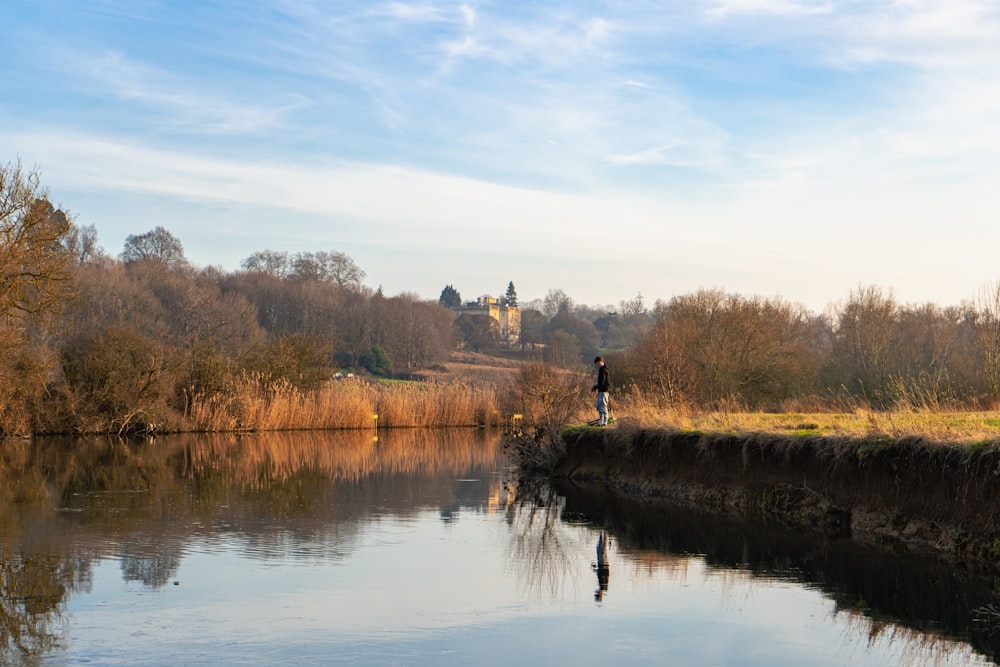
{"points": [[958, 427], [255, 405]]}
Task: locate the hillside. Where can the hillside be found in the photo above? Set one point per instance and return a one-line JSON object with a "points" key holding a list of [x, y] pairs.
{"points": [[472, 367]]}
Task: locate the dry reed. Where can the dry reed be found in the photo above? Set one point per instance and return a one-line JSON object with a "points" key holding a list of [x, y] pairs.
{"points": [[256, 405]]}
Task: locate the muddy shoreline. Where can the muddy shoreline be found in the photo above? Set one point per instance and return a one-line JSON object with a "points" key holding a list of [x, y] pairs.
{"points": [[902, 494]]}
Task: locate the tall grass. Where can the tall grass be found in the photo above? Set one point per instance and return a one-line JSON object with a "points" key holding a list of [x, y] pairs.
{"points": [[911, 416], [257, 405], [549, 398]]}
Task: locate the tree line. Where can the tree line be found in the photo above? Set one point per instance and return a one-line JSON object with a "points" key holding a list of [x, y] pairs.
{"points": [[89, 340], [713, 348]]}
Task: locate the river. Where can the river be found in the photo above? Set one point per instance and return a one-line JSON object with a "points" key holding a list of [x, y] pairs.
{"points": [[420, 547]]}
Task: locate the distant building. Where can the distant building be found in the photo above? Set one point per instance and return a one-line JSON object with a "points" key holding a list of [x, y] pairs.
{"points": [[507, 317]]}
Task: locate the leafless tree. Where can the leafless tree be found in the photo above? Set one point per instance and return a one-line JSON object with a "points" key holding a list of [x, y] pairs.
{"points": [[751, 349], [272, 262], [987, 306], [34, 266], [82, 244], [336, 268], [865, 332], [157, 244]]}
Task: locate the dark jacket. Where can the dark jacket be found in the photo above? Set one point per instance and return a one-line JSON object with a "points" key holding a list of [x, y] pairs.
{"points": [[603, 379]]}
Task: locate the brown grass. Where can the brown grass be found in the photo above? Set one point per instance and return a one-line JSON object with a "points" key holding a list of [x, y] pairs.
{"points": [[935, 425], [256, 405], [551, 397]]}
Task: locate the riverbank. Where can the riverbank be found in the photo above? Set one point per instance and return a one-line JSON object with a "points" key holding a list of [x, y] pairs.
{"points": [[905, 493]]}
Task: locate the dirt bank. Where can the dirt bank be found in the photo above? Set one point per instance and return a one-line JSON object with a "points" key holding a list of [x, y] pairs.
{"points": [[905, 493]]}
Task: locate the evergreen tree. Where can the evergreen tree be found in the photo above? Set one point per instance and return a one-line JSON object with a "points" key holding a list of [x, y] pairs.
{"points": [[450, 298], [510, 298]]}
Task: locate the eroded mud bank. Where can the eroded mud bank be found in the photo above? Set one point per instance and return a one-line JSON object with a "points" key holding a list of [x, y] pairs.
{"points": [[906, 493]]}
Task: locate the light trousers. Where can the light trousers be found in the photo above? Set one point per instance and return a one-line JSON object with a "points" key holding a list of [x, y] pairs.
{"points": [[602, 407]]}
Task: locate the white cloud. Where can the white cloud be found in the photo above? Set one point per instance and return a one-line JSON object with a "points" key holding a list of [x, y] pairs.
{"points": [[355, 191], [176, 101], [958, 33], [923, 33], [469, 14], [547, 39], [774, 7], [597, 31], [656, 155], [418, 12]]}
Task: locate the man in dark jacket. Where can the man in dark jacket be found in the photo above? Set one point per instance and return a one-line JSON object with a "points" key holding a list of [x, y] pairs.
{"points": [[602, 388]]}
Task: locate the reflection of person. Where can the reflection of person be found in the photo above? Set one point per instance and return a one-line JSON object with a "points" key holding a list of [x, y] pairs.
{"points": [[602, 388], [603, 566]]}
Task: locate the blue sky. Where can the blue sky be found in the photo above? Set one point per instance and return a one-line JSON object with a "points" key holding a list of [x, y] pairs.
{"points": [[765, 147]]}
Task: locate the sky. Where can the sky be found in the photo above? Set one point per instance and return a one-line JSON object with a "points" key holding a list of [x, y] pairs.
{"points": [[776, 148]]}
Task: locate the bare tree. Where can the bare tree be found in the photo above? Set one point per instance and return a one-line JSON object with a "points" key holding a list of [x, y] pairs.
{"points": [[273, 262], [81, 243], [336, 268], [157, 244], [632, 307], [34, 266], [987, 306], [751, 349], [417, 332], [658, 363], [865, 333], [556, 300]]}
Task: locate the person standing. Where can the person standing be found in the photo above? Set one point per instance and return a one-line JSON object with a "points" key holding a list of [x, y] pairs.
{"points": [[602, 388]]}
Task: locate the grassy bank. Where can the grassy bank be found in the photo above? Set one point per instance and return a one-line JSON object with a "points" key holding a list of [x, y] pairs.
{"points": [[852, 420], [906, 492]]}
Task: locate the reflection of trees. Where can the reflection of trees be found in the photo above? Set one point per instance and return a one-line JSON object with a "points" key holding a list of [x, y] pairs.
{"points": [[29, 608], [282, 492], [540, 550], [33, 590], [259, 460], [914, 598], [153, 564], [65, 503], [35, 573]]}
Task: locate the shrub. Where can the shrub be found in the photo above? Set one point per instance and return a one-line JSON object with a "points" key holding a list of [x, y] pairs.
{"points": [[121, 376], [377, 362], [549, 397], [298, 359]]}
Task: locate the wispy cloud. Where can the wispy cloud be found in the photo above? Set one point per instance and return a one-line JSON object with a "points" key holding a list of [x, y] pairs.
{"points": [[543, 38], [656, 155], [772, 7], [174, 101], [923, 33], [958, 33], [408, 11], [815, 118]]}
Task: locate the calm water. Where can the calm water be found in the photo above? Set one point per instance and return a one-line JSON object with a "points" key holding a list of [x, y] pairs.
{"points": [[417, 549]]}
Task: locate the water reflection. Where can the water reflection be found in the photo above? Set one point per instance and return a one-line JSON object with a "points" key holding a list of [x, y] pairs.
{"points": [[909, 597], [66, 504], [183, 515], [602, 566]]}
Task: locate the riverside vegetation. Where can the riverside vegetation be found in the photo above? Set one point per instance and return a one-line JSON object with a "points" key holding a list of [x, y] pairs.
{"points": [[909, 478], [877, 415], [144, 341]]}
